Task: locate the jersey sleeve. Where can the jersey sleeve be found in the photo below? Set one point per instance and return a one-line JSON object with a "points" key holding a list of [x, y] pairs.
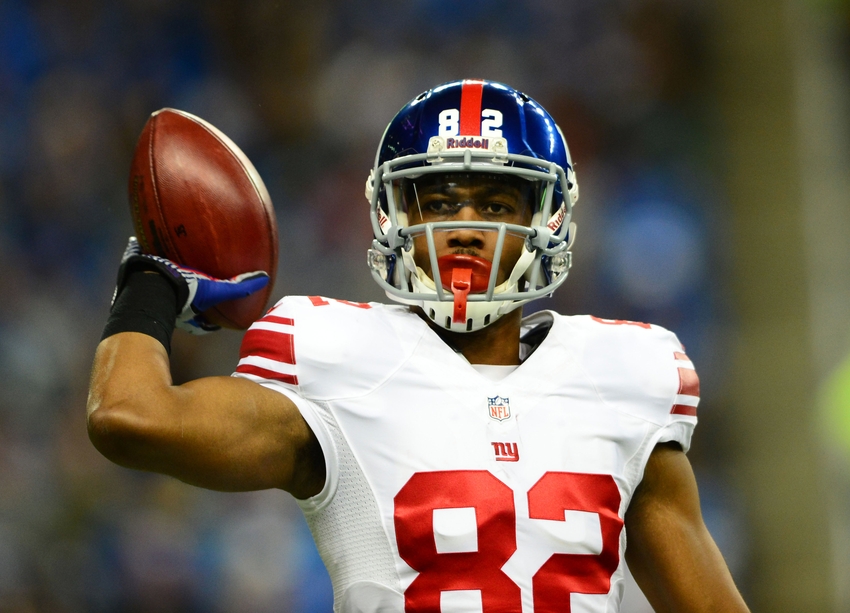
{"points": [[682, 418], [315, 350], [267, 353], [323, 349], [642, 369]]}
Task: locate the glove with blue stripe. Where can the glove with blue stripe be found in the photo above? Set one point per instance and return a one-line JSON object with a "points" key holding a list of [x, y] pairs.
{"points": [[196, 291]]}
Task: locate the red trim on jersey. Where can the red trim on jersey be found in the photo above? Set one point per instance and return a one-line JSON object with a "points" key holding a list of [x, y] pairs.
{"points": [[320, 301], [688, 382], [620, 322], [359, 305], [278, 346], [274, 319], [470, 108], [684, 409], [688, 386], [250, 369]]}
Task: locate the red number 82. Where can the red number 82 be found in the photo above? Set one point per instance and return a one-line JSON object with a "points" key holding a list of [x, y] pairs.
{"points": [[561, 575]]}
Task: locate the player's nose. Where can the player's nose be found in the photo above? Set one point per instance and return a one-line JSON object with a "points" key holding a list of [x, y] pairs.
{"points": [[468, 211], [466, 237]]}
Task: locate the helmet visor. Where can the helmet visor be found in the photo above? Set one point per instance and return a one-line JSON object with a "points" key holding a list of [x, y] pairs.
{"points": [[499, 198]]}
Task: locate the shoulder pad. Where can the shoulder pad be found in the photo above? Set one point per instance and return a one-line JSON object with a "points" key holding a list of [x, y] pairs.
{"points": [[640, 368], [325, 348]]}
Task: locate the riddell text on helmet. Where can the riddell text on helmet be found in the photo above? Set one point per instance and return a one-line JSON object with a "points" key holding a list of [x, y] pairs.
{"points": [[467, 142]]}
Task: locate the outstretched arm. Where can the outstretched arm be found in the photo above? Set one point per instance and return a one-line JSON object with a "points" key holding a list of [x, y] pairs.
{"points": [[221, 433], [670, 552]]}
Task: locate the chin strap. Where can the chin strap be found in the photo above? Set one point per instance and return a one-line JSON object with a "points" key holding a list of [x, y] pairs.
{"points": [[461, 284]]}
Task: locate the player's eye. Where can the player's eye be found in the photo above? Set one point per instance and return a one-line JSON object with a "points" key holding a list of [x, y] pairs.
{"points": [[497, 208], [440, 207]]}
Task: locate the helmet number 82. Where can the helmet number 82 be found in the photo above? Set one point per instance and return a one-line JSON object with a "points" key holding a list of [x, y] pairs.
{"points": [[489, 503], [491, 123]]}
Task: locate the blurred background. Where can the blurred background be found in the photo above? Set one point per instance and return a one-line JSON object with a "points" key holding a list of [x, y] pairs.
{"points": [[711, 146]]}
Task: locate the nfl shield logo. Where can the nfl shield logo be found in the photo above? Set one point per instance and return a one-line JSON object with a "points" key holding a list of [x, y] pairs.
{"points": [[500, 408]]}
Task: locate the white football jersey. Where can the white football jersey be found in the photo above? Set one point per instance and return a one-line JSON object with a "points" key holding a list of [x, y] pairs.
{"points": [[450, 492]]}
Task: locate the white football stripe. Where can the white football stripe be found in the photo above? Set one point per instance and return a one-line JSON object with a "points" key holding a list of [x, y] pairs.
{"points": [[690, 401], [273, 365], [685, 364]]}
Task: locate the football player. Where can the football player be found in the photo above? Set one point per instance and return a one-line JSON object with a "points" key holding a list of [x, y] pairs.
{"points": [[448, 454]]}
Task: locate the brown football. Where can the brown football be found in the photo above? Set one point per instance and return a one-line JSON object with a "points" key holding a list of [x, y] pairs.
{"points": [[197, 200]]}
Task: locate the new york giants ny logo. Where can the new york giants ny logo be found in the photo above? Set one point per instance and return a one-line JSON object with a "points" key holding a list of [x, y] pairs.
{"points": [[506, 452]]}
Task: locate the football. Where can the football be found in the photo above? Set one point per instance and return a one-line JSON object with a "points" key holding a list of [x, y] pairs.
{"points": [[197, 200]]}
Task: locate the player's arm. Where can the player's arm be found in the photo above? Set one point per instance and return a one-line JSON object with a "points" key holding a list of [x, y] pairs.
{"points": [[220, 433], [670, 552]]}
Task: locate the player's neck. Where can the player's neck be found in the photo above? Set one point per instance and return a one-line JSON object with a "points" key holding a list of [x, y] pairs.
{"points": [[496, 344]]}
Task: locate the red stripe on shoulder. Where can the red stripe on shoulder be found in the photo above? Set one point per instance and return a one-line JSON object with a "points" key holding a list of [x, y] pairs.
{"points": [[688, 386], [470, 108], [250, 369], [278, 346], [274, 319], [684, 409], [688, 382]]}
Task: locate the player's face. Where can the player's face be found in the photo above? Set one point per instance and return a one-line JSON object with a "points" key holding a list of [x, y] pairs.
{"points": [[469, 197]]}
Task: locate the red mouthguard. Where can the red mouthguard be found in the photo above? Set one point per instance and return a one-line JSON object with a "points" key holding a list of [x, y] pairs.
{"points": [[479, 266], [467, 273]]}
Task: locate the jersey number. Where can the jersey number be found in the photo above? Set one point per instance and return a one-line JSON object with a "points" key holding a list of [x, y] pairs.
{"points": [[449, 123], [495, 516]]}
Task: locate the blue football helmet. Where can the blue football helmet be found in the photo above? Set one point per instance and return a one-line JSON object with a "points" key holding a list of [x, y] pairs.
{"points": [[472, 126]]}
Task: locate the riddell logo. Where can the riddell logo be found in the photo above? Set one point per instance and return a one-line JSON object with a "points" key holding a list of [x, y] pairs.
{"points": [[557, 219], [506, 452], [467, 142]]}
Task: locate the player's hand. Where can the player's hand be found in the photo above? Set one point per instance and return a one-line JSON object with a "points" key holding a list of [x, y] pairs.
{"points": [[196, 291]]}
